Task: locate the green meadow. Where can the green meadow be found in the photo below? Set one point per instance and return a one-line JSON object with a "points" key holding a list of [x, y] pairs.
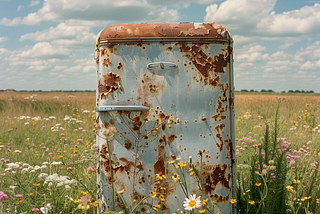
{"points": [[48, 153]]}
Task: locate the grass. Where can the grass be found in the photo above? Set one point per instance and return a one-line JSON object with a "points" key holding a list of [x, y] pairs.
{"points": [[48, 153]]}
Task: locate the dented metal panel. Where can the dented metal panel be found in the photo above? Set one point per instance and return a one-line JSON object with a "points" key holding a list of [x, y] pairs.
{"points": [[165, 117]]}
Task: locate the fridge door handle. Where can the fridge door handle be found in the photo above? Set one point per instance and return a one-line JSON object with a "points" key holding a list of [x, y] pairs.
{"points": [[121, 108]]}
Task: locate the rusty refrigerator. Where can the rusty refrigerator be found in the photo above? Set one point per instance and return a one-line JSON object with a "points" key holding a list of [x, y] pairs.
{"points": [[165, 121]]}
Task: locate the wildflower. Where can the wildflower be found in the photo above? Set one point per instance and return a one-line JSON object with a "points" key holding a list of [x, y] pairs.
{"points": [[79, 140], [305, 198], [202, 211], [160, 176], [192, 202], [45, 209], [35, 210], [318, 200], [175, 177], [233, 201], [120, 191], [251, 202], [90, 169], [69, 168], [19, 196], [172, 162], [204, 202], [290, 189], [296, 181], [161, 197], [258, 184], [3, 196], [153, 194]]}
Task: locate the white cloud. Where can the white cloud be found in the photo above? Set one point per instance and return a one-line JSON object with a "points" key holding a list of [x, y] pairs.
{"points": [[256, 17], [286, 45], [45, 50], [10, 22], [34, 3], [303, 21], [239, 14], [311, 65], [64, 35], [179, 3], [3, 39], [121, 10]]}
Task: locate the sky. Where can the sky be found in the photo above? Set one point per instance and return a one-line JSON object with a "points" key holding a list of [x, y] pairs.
{"points": [[50, 44]]}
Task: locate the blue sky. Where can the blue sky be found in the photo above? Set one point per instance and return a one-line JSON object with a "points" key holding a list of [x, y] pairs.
{"points": [[49, 44]]}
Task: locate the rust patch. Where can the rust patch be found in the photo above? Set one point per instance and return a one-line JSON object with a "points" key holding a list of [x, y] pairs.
{"points": [[159, 166], [213, 176], [106, 62], [119, 66], [182, 29], [219, 128], [109, 83], [207, 66], [172, 137]]}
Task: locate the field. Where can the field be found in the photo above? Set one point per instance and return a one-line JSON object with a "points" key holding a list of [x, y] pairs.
{"points": [[49, 156]]}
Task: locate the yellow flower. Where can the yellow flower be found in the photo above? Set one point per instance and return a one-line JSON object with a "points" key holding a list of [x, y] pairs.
{"points": [[120, 192], [172, 162], [202, 211], [296, 181], [161, 197], [318, 200], [233, 201], [290, 189], [258, 184], [251, 202], [36, 184], [84, 192], [204, 202], [153, 194], [305, 198], [30, 194], [192, 173], [160, 176], [175, 177]]}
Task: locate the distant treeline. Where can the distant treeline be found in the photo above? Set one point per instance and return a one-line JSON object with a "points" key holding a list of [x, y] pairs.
{"points": [[1, 90], [271, 91]]}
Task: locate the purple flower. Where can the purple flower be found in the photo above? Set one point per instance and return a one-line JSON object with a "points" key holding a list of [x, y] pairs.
{"points": [[3, 196], [90, 169], [19, 196]]}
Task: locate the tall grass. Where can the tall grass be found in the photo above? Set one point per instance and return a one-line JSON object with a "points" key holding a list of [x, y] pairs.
{"points": [[48, 153]]}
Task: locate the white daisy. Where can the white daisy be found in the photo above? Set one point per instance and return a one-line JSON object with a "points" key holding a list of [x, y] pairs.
{"points": [[192, 202]]}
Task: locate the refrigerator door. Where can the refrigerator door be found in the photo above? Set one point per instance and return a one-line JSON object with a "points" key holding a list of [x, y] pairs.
{"points": [[165, 120]]}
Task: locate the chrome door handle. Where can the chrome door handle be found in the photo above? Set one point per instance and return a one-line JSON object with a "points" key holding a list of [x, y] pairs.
{"points": [[121, 108]]}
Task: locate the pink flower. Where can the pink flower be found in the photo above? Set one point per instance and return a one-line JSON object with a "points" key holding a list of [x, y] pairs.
{"points": [[75, 130], [90, 169], [2, 159], [83, 130], [65, 144], [19, 196], [3, 196], [79, 140], [50, 154], [35, 210], [309, 142], [69, 168], [61, 134]]}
